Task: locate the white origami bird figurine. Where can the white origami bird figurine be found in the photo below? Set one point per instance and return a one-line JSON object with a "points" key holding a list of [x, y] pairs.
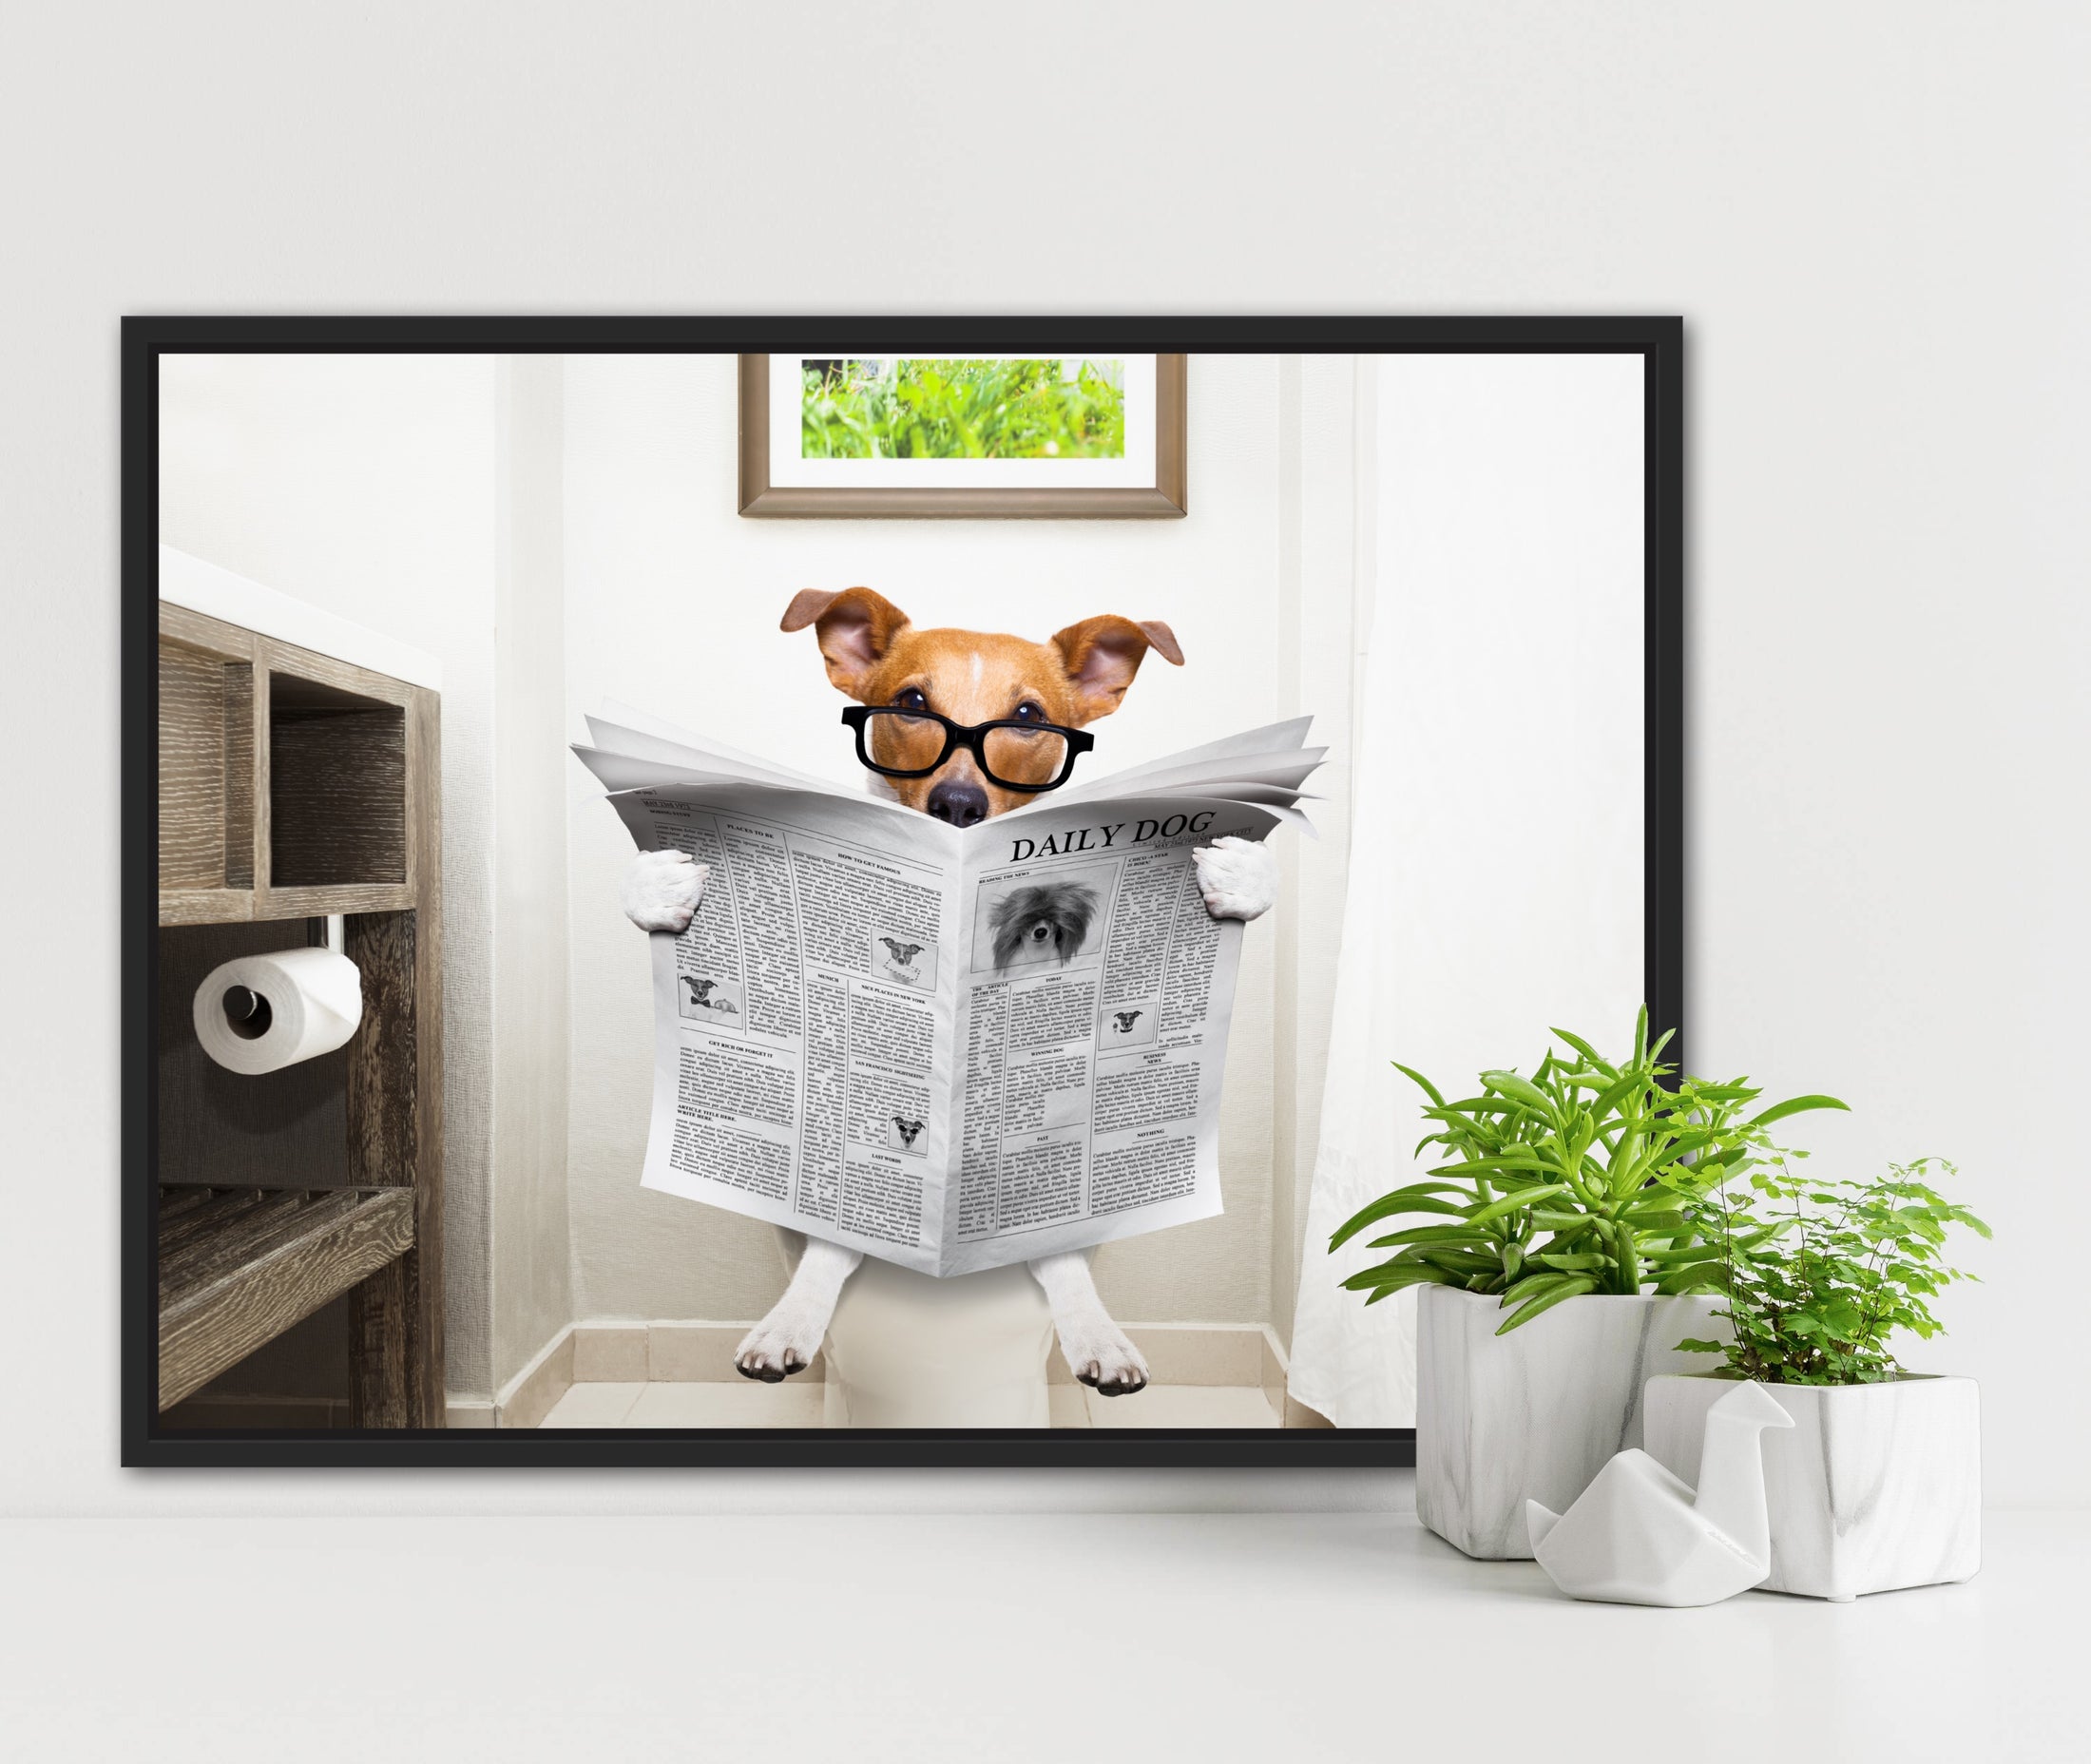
{"points": [[1638, 1535]]}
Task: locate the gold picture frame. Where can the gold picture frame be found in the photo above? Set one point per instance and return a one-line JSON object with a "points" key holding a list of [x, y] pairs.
{"points": [[1163, 498]]}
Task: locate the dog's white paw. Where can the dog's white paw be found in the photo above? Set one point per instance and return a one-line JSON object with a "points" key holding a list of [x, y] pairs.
{"points": [[1102, 1355], [663, 891], [1237, 877], [781, 1344]]}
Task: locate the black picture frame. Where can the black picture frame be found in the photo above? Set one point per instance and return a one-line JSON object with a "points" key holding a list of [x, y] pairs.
{"points": [[1658, 340]]}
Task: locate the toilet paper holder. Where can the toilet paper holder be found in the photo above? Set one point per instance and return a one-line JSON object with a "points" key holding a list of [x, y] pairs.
{"points": [[249, 1014]]}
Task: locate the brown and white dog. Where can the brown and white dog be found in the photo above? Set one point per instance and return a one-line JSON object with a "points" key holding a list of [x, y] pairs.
{"points": [[874, 655]]}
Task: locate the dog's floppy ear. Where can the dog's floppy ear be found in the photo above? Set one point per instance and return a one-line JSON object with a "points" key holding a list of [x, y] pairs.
{"points": [[856, 628], [1102, 654]]}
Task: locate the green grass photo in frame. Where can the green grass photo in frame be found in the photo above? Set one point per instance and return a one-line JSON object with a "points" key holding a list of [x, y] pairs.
{"points": [[997, 406], [1038, 434]]}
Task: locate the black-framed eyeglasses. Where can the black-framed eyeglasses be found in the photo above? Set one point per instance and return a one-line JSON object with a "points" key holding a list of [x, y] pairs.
{"points": [[1014, 753]]}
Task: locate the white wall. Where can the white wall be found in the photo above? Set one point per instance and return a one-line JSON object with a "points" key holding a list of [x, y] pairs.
{"points": [[1870, 216], [530, 1254]]}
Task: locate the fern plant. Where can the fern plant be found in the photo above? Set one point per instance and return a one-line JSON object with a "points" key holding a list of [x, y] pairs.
{"points": [[1583, 1178], [1820, 1274]]}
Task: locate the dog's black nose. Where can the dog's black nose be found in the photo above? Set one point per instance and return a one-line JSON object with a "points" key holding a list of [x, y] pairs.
{"points": [[963, 805]]}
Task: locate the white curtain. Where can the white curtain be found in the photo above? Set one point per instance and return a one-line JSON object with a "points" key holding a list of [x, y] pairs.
{"points": [[1496, 855]]}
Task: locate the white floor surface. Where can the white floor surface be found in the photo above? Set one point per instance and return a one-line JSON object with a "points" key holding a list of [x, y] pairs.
{"points": [[1275, 1638], [741, 1403]]}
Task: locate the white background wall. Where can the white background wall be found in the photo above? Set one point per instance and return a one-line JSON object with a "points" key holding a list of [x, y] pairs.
{"points": [[530, 1251], [1871, 215]]}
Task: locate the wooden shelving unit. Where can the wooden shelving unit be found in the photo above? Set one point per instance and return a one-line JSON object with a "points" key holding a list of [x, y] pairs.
{"points": [[293, 786], [239, 1266]]}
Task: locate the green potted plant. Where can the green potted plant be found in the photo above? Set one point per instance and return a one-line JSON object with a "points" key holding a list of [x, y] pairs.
{"points": [[1558, 1264], [1878, 1483]]}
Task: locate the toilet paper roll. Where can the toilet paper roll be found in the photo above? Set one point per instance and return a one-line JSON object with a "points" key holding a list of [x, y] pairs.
{"points": [[264, 1012]]}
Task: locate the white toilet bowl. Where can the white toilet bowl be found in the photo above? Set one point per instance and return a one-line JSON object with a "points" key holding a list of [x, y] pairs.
{"points": [[907, 1349]]}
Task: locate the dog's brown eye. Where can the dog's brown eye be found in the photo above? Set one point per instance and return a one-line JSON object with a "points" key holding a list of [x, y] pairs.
{"points": [[1027, 711], [913, 698]]}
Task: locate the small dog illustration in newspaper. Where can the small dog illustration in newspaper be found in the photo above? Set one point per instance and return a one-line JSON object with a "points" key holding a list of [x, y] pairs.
{"points": [[972, 679], [906, 959], [710, 998], [1132, 1025], [903, 1134]]}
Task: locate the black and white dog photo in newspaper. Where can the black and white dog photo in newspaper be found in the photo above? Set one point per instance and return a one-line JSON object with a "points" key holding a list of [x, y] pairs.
{"points": [[702, 997], [1129, 1027], [1041, 922], [905, 959], [974, 682], [1033, 923]]}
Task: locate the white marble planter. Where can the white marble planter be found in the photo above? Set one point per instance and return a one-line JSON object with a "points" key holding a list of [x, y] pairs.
{"points": [[1535, 1415], [1875, 1486]]}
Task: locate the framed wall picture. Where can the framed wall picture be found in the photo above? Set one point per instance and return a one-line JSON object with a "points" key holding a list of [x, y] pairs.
{"points": [[613, 982], [957, 435]]}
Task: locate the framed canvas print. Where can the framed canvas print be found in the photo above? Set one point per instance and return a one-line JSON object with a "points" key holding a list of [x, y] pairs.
{"points": [[941, 434], [612, 982]]}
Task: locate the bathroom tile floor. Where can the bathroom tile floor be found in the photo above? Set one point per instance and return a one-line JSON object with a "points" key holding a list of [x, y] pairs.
{"points": [[740, 1404]]}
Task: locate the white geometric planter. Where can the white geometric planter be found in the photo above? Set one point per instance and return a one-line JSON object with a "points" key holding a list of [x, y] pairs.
{"points": [[1535, 1415], [1876, 1486]]}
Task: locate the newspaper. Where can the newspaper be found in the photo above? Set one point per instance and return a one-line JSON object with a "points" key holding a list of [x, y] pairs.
{"points": [[951, 1049]]}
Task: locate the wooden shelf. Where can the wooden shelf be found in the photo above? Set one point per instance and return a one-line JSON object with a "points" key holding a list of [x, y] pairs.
{"points": [[233, 906], [238, 1266], [205, 906], [293, 786]]}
